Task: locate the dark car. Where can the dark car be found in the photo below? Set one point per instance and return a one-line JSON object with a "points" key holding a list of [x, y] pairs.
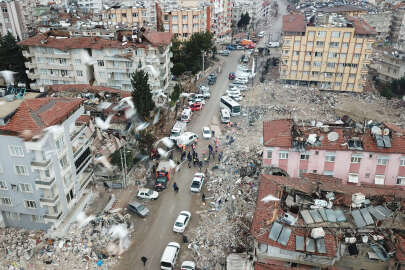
{"points": [[231, 76], [138, 208]]}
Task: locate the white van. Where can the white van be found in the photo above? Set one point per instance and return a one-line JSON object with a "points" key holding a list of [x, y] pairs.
{"points": [[186, 115], [186, 139], [169, 256], [178, 129], [225, 116]]}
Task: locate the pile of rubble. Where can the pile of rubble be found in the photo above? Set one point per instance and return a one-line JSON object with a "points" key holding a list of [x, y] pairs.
{"points": [[232, 191], [89, 244]]}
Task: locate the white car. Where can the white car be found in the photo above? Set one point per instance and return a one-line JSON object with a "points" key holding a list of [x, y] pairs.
{"points": [[146, 193], [204, 88], [243, 68], [261, 34], [238, 87], [236, 97], [181, 222], [206, 132], [198, 181], [187, 265], [197, 98], [232, 92], [187, 138], [274, 44], [241, 81]]}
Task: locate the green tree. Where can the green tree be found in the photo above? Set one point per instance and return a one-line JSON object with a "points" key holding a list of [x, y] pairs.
{"points": [[11, 58], [178, 69], [116, 158], [145, 142], [244, 20], [175, 94], [141, 94]]}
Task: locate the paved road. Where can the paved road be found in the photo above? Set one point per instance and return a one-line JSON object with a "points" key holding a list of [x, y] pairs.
{"points": [[154, 232]]}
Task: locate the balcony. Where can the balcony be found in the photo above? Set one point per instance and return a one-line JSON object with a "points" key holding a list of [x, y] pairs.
{"points": [[49, 199], [52, 217], [45, 182], [40, 164], [78, 130], [26, 53]]}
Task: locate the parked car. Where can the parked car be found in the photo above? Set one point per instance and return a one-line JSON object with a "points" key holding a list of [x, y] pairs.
{"points": [[274, 44], [196, 99], [187, 265], [187, 138], [261, 34], [212, 76], [241, 81], [206, 94], [239, 87], [197, 106], [198, 181], [182, 221], [146, 193], [231, 76], [169, 256], [204, 88], [138, 208], [230, 47], [224, 53], [235, 96], [239, 47], [206, 132]]}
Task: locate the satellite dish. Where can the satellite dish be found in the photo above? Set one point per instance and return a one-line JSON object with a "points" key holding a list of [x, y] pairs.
{"points": [[333, 136], [386, 131], [376, 130]]}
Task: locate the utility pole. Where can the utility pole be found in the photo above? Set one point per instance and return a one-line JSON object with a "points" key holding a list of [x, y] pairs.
{"points": [[203, 67]]}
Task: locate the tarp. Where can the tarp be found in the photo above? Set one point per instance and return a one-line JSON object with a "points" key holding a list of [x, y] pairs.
{"points": [[246, 42]]}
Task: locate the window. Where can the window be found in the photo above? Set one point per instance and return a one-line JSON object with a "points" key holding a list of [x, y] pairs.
{"points": [[402, 162], [62, 61], [320, 43], [356, 159], [174, 18], [5, 201], [353, 178], [14, 187], [166, 17], [330, 157], [335, 34], [382, 161], [349, 86], [60, 143], [321, 33], [195, 17], [316, 64], [343, 55], [359, 45], [185, 26], [135, 14], [195, 26], [304, 156], [352, 75], [330, 173], [379, 179], [330, 65], [30, 204], [34, 218], [100, 63], [63, 73], [184, 17], [308, 53], [334, 44], [283, 155], [13, 215], [16, 151], [318, 54], [269, 154], [185, 35], [310, 43], [287, 42], [63, 162], [328, 74], [297, 43], [307, 63], [79, 73], [306, 73], [315, 73], [294, 63], [27, 188], [345, 45], [296, 53], [3, 185], [400, 180], [346, 35], [286, 52], [311, 33], [21, 170], [128, 64], [78, 61], [356, 55], [337, 84], [4, 9]]}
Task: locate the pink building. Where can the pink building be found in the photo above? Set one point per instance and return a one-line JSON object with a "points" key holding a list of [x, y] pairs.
{"points": [[369, 155]]}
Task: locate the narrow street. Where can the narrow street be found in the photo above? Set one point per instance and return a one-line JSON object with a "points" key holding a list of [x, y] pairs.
{"points": [[154, 232]]}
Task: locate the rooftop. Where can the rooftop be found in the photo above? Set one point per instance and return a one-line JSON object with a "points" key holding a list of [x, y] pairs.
{"points": [[339, 136], [345, 8], [33, 115], [85, 88], [8, 107], [294, 23], [291, 211]]}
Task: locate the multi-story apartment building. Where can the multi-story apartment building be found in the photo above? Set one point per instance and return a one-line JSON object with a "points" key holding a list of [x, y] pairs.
{"points": [[346, 10], [381, 22], [90, 5], [57, 58], [130, 16], [398, 26], [221, 19], [330, 51], [257, 10], [15, 17], [182, 19], [374, 154], [45, 160], [388, 63]]}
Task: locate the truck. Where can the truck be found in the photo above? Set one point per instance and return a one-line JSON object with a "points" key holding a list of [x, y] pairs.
{"points": [[178, 129], [164, 172]]}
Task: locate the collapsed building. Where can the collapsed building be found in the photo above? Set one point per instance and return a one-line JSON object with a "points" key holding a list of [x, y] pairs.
{"points": [[320, 221]]}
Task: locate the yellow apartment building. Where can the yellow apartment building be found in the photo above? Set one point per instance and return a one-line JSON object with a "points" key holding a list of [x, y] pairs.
{"points": [[330, 51], [131, 16]]}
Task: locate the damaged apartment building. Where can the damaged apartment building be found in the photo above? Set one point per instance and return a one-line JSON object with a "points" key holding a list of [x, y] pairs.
{"points": [[55, 57], [366, 152], [46, 162], [321, 222]]}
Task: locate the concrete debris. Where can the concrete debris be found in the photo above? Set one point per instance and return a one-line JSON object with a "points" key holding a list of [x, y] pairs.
{"points": [[102, 239]]}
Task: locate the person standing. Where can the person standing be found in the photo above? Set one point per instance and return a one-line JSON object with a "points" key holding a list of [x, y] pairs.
{"points": [[144, 260]]}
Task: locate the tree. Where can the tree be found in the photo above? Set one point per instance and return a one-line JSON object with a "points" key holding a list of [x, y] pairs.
{"points": [[178, 69], [244, 20], [141, 94], [146, 141], [116, 158], [11, 58], [175, 94]]}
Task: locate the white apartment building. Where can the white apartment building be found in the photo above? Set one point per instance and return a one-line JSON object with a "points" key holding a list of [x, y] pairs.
{"points": [[61, 59], [43, 172], [15, 17], [221, 19], [90, 5]]}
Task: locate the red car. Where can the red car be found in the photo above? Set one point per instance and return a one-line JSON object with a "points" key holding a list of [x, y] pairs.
{"points": [[196, 107], [231, 76]]}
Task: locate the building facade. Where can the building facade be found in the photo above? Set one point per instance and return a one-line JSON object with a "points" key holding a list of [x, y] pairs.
{"points": [[388, 64], [345, 153], [330, 52], [61, 59], [221, 20], [43, 172], [398, 26], [90, 5], [130, 16], [15, 17], [381, 22], [183, 20]]}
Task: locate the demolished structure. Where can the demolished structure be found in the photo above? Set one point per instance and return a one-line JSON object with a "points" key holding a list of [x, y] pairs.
{"points": [[320, 221]]}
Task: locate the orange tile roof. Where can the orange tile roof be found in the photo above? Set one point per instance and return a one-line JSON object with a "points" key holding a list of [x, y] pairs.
{"points": [[294, 23], [33, 115], [267, 213], [79, 88], [277, 133], [159, 38], [361, 26]]}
